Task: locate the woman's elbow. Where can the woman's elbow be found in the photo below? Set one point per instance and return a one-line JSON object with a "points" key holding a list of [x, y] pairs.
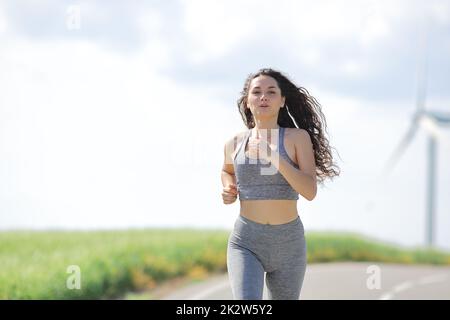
{"points": [[313, 194]]}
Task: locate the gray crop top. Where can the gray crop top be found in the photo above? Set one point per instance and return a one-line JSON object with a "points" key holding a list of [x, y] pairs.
{"points": [[252, 183]]}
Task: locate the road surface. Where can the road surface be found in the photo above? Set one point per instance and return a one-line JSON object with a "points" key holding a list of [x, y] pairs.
{"points": [[344, 281]]}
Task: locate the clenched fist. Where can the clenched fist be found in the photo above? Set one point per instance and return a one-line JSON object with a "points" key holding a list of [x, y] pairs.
{"points": [[259, 148], [229, 194]]}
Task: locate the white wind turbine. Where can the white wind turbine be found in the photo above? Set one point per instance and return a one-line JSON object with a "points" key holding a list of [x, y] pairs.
{"points": [[432, 122]]}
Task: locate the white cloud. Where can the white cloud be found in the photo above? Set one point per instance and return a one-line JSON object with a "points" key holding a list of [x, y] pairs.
{"points": [[376, 27], [310, 56], [3, 22], [440, 12], [101, 128], [214, 28], [353, 68]]}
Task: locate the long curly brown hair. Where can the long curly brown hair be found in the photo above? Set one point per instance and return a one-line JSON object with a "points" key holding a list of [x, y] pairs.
{"points": [[305, 110]]}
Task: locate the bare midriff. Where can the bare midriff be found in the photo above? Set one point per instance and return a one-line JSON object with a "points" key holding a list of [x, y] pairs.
{"points": [[269, 211]]}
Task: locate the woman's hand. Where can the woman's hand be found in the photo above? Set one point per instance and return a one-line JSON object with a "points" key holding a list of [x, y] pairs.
{"points": [[259, 148], [229, 193]]}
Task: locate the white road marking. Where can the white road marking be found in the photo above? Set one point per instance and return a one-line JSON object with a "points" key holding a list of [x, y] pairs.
{"points": [[403, 286], [205, 293], [386, 296], [433, 279], [411, 284]]}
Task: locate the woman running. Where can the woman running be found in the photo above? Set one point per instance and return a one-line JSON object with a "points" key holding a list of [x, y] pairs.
{"points": [[281, 155]]}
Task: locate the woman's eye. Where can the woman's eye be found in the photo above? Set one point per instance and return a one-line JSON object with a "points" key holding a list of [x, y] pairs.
{"points": [[257, 92]]}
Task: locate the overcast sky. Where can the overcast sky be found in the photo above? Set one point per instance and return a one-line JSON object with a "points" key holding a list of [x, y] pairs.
{"points": [[114, 114]]}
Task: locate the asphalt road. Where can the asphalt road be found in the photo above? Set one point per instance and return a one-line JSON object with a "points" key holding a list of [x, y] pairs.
{"points": [[344, 281]]}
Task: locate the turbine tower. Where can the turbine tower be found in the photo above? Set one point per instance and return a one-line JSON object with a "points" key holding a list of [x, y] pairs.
{"points": [[431, 122]]}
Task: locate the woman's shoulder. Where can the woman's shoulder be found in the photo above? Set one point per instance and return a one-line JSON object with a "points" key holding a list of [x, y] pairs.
{"points": [[295, 133], [236, 139]]}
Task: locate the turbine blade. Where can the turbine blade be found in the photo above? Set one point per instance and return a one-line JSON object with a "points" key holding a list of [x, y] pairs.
{"points": [[401, 147], [421, 75]]}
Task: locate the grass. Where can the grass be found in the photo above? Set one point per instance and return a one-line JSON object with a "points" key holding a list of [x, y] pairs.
{"points": [[34, 265], [330, 247]]}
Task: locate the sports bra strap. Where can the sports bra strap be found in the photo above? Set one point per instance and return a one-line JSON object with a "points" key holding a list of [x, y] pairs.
{"points": [[242, 143]]}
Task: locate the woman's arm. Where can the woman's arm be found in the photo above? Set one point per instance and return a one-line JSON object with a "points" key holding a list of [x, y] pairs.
{"points": [[229, 193], [302, 180], [227, 174], [227, 178]]}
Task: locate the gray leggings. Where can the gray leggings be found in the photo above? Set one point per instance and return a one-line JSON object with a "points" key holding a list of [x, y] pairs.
{"points": [[279, 250]]}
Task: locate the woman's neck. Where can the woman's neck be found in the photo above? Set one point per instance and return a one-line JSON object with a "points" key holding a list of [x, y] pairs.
{"points": [[266, 125]]}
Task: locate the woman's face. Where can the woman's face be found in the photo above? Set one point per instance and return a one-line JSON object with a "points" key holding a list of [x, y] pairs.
{"points": [[264, 96]]}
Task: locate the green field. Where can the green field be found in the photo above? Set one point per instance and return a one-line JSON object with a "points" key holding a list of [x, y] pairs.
{"points": [[34, 265]]}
